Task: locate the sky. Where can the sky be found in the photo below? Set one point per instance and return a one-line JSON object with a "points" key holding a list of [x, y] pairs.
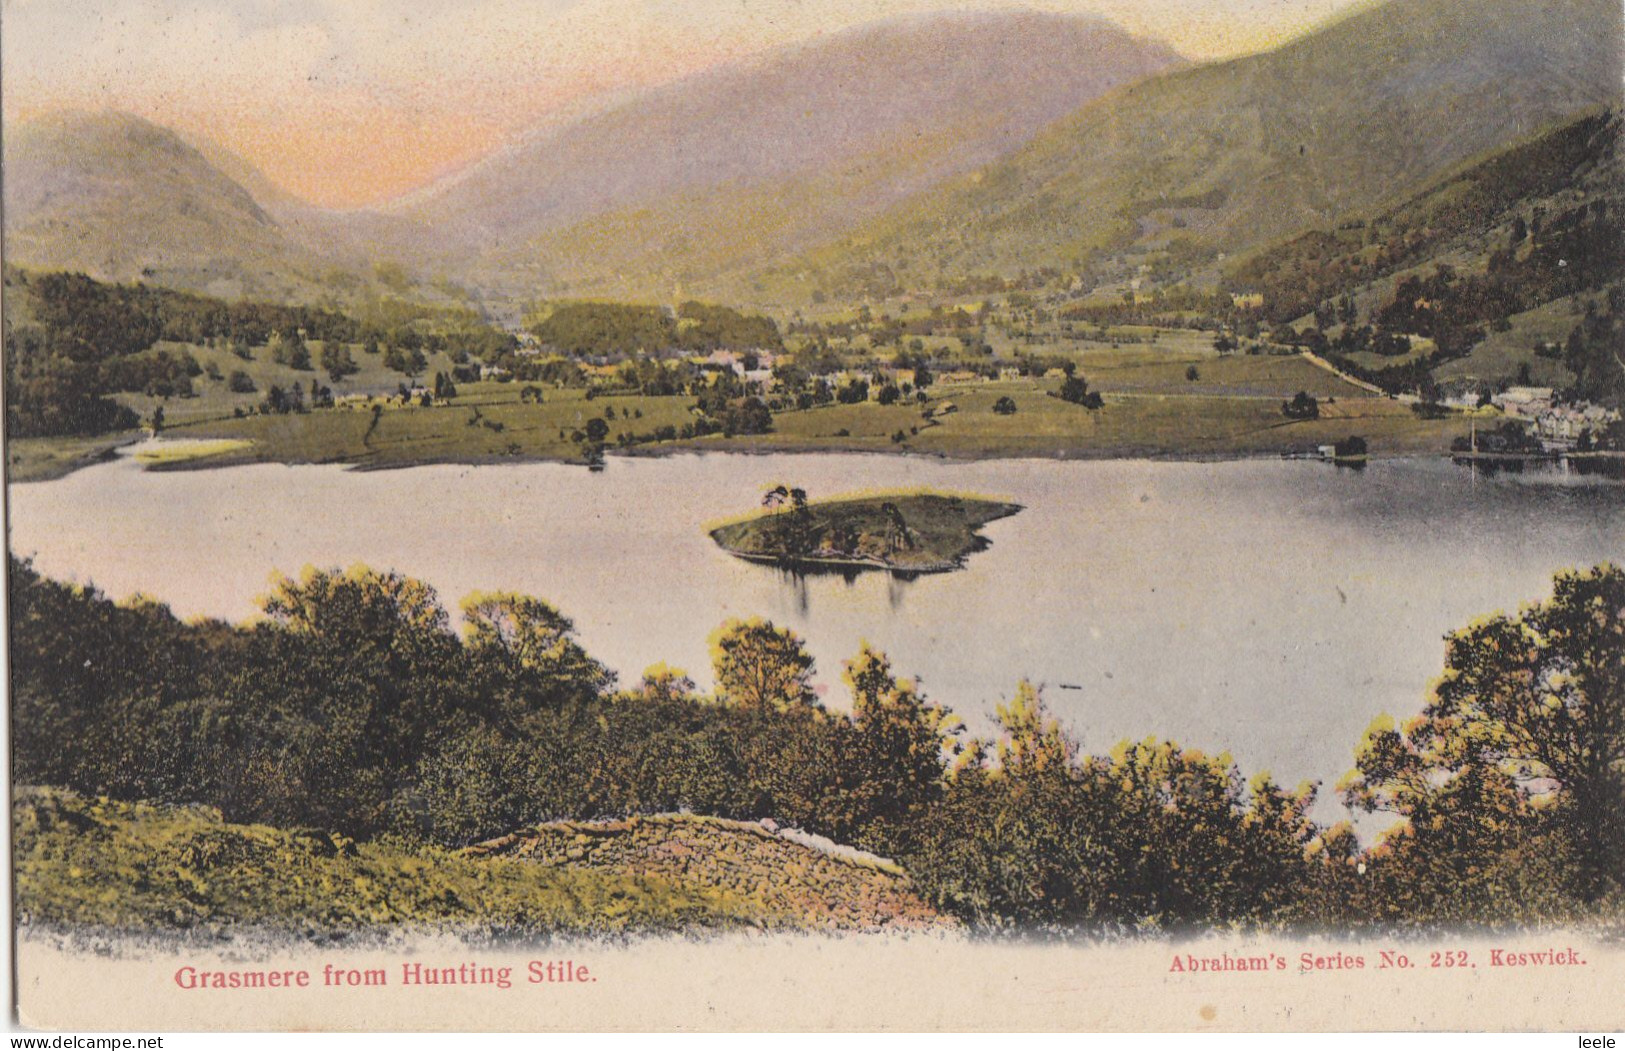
{"points": [[350, 103]]}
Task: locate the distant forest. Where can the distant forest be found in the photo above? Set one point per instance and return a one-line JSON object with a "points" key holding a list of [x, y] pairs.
{"points": [[71, 342], [353, 705]]}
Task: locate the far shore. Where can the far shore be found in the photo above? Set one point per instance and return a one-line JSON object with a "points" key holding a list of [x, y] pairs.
{"points": [[43, 459]]}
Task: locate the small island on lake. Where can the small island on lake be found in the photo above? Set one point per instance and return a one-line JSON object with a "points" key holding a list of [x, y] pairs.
{"points": [[916, 532]]}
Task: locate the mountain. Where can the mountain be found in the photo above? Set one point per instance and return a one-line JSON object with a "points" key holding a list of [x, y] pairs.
{"points": [[121, 198], [1460, 221], [949, 152], [1177, 169], [740, 164], [1509, 268], [721, 170]]}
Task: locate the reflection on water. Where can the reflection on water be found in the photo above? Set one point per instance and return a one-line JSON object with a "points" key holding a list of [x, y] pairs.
{"points": [[1269, 608], [795, 573], [1544, 468], [798, 575], [1610, 467]]}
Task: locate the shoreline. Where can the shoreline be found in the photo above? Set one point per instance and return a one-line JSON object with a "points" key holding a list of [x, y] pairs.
{"points": [[103, 452]]}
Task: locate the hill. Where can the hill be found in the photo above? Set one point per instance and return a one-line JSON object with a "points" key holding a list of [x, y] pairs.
{"points": [[120, 198], [732, 167], [955, 154], [1451, 218], [142, 868], [1173, 171], [1510, 267], [742, 163]]}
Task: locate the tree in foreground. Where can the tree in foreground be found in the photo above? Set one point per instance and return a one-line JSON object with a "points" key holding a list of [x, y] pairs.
{"points": [[1033, 833], [901, 749], [759, 666], [1520, 751], [534, 641]]}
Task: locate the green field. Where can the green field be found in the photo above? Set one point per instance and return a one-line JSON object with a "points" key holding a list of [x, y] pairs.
{"points": [[1152, 408], [42, 459], [215, 400], [487, 422], [1276, 377], [1129, 425], [1502, 353]]}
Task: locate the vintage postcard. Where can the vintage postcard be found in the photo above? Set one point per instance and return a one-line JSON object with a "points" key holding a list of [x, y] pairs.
{"points": [[940, 515]]}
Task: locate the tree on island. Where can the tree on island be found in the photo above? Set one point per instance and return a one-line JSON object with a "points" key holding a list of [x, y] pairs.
{"points": [[796, 534], [898, 535]]}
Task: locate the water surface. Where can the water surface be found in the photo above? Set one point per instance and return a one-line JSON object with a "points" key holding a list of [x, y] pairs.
{"points": [[1267, 608]]}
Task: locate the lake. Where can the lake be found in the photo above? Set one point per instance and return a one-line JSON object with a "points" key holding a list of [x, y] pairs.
{"points": [[1267, 608]]}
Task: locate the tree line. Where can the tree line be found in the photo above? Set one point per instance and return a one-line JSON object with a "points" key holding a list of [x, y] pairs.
{"points": [[353, 704], [71, 342]]}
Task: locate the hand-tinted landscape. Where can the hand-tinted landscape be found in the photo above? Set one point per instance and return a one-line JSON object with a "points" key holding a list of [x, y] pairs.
{"points": [[1346, 310]]}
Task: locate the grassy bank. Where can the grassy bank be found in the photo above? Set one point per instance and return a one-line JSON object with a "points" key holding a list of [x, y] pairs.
{"points": [[137, 867], [815, 888], [917, 532], [42, 459]]}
